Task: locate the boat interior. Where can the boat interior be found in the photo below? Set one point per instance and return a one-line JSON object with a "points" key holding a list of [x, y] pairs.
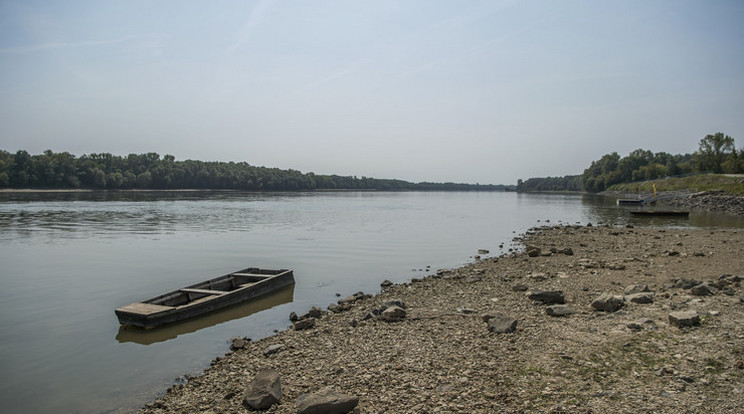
{"points": [[210, 288]]}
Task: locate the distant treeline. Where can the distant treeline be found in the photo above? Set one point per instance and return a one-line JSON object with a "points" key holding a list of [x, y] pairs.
{"points": [[716, 153], [149, 171], [566, 183]]}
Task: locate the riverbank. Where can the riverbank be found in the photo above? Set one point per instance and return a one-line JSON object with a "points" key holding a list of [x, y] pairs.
{"points": [[442, 357], [715, 200]]}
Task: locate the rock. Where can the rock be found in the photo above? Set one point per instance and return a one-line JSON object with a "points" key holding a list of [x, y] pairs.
{"points": [[238, 343], [326, 401], [560, 310], [547, 297], [685, 283], [684, 318], [635, 326], [273, 349], [386, 283], [293, 317], [616, 266], [353, 298], [315, 312], [500, 323], [334, 308], [393, 313], [636, 288], [519, 287], [608, 302], [699, 254], [264, 391], [704, 289], [640, 297], [304, 324], [567, 251], [731, 278], [533, 251], [473, 279]]}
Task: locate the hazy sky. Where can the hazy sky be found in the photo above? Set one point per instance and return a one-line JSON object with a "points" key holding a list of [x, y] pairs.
{"points": [[465, 91]]}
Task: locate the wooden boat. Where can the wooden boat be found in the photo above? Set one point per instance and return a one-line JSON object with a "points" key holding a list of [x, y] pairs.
{"points": [[630, 202], [204, 297], [660, 213]]}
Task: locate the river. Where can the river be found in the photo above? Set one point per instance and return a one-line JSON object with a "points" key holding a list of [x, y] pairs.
{"points": [[69, 259]]}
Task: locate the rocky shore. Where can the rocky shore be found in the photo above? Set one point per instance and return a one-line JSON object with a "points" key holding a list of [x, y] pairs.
{"points": [[582, 319], [715, 201]]}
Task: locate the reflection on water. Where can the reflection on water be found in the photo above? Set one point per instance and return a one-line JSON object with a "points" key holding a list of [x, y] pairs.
{"points": [[83, 214], [172, 331], [604, 210]]}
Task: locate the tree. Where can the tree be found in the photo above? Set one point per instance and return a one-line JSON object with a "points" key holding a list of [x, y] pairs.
{"points": [[713, 151]]}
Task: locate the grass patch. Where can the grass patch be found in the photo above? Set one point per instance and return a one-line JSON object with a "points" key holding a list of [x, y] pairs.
{"points": [[696, 183]]}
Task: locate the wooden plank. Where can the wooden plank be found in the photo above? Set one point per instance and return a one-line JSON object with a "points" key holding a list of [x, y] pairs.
{"points": [[144, 308], [204, 291], [251, 275]]}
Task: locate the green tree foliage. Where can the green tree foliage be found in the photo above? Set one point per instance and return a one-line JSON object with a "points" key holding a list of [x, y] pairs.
{"points": [[565, 183], [149, 171], [639, 165], [716, 153], [713, 151]]}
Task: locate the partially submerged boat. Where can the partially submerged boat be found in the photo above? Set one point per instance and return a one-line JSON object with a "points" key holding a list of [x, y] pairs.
{"points": [[675, 213], [204, 297]]}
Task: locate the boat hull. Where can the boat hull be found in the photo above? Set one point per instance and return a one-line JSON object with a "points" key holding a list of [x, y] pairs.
{"points": [[660, 213], [205, 297]]}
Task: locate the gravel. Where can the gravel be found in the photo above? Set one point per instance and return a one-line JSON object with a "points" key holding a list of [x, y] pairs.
{"points": [[436, 359]]}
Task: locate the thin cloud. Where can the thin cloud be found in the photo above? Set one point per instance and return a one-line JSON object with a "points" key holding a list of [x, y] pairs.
{"points": [[67, 45], [345, 71], [254, 19]]}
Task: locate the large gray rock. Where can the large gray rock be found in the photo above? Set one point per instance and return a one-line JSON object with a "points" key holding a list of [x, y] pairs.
{"points": [[315, 312], [273, 349], [608, 302], [560, 310], [303, 324], [684, 318], [547, 297], [500, 323], [533, 251], [685, 283], [238, 343], [393, 313], [640, 297], [637, 288], [704, 289], [264, 391], [326, 401], [353, 298]]}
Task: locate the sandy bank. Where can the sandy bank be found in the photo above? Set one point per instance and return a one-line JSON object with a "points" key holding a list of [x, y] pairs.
{"points": [[443, 360]]}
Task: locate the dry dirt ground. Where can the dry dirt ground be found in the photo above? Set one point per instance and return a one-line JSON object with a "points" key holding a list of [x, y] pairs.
{"points": [[441, 359]]}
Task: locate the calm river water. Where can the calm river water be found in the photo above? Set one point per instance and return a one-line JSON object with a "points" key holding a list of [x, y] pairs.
{"points": [[69, 259]]}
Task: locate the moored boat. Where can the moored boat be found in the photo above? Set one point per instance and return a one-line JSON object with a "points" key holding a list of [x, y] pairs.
{"points": [[660, 213], [204, 297]]}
